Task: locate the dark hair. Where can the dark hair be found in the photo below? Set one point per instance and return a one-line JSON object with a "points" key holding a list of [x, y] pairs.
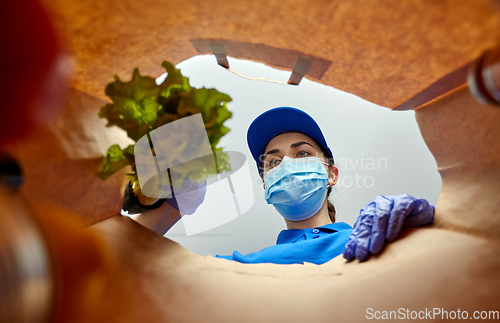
{"points": [[329, 161]]}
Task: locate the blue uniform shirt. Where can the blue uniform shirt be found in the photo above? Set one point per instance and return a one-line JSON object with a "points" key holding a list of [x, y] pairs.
{"points": [[296, 246]]}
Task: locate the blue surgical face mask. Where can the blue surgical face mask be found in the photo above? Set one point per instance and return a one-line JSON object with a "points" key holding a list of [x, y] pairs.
{"points": [[297, 187]]}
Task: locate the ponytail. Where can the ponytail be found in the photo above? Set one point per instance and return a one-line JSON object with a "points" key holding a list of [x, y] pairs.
{"points": [[331, 208]]}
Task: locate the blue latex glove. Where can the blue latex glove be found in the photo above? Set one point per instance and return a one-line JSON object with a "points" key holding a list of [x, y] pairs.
{"points": [[188, 196], [382, 220]]}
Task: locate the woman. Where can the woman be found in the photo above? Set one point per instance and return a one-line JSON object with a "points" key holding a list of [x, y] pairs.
{"points": [[298, 171]]}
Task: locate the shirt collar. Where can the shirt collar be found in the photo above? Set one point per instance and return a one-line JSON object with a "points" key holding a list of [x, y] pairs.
{"points": [[291, 235]]}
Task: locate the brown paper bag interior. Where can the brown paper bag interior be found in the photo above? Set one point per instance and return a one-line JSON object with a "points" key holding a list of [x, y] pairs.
{"points": [[382, 51]]}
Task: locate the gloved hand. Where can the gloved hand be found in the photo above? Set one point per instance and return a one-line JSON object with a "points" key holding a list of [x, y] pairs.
{"points": [[188, 196], [382, 220]]}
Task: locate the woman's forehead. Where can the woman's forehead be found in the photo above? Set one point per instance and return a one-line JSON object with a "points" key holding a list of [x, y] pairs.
{"points": [[285, 139]]}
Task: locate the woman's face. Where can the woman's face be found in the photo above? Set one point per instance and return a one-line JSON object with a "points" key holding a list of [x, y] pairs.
{"points": [[294, 145]]}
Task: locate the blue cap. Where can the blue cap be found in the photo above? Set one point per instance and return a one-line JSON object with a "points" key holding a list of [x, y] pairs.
{"points": [[278, 120]]}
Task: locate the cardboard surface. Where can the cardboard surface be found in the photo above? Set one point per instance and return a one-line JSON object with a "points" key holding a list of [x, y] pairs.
{"points": [[61, 162], [383, 51]]}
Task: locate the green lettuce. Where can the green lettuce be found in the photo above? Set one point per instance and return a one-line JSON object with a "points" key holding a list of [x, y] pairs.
{"points": [[140, 106]]}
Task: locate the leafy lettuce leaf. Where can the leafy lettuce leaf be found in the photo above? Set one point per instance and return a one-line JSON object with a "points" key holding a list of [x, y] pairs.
{"points": [[116, 159], [140, 106], [213, 106]]}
